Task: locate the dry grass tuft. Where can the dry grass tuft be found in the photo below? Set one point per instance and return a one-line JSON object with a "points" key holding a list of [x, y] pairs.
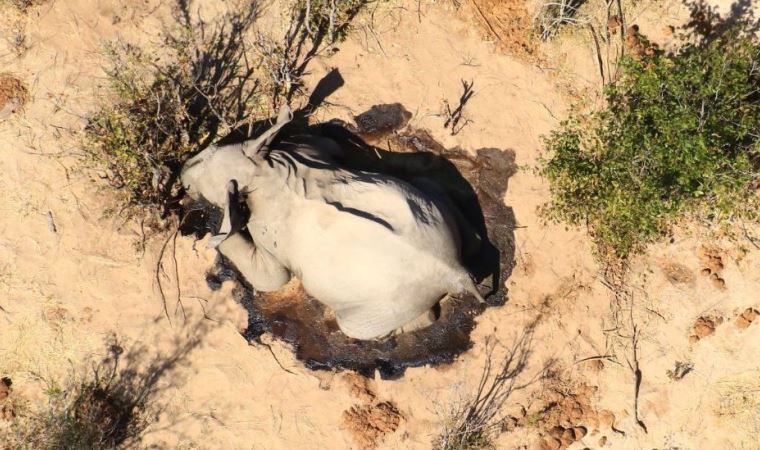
{"points": [[738, 403]]}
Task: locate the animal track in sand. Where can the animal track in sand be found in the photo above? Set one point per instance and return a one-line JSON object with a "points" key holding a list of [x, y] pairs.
{"points": [[677, 273], [712, 260], [637, 44], [562, 417], [746, 318], [13, 95], [704, 326], [371, 422]]}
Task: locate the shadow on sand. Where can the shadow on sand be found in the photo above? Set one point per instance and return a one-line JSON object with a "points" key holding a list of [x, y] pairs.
{"points": [[113, 402]]}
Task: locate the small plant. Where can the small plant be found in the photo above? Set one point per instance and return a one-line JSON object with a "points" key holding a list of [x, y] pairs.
{"points": [[329, 19], [533, 420], [678, 138]]}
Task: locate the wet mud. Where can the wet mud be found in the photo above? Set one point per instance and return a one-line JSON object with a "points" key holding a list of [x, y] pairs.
{"points": [[474, 185]]}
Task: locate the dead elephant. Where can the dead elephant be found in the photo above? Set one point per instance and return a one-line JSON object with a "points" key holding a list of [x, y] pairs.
{"points": [[377, 250]]}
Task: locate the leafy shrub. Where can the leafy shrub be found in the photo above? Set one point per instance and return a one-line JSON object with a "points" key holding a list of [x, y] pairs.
{"points": [[678, 137]]}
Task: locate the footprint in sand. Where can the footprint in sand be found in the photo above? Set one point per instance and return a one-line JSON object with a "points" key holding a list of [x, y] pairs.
{"points": [[746, 318], [712, 261], [704, 326]]}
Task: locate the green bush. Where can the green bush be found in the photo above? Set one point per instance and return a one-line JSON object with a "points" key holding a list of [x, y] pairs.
{"points": [[678, 138]]}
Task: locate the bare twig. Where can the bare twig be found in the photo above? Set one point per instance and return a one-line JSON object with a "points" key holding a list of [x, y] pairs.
{"points": [[485, 19], [637, 377], [159, 265], [157, 274], [598, 53], [269, 347], [454, 117], [610, 358]]}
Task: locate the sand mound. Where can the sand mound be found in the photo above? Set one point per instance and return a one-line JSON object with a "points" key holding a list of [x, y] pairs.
{"points": [[370, 423], [13, 95]]}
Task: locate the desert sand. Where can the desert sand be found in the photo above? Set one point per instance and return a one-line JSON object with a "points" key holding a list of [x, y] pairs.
{"points": [[74, 272]]}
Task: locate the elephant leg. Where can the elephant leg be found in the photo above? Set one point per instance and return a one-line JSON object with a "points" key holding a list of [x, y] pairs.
{"points": [[424, 320], [262, 270], [375, 322], [365, 321]]}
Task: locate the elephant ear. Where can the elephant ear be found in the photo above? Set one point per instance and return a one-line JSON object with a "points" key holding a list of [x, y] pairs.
{"points": [[252, 147]]}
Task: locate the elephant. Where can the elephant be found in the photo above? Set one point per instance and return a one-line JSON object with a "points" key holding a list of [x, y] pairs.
{"points": [[377, 250]]}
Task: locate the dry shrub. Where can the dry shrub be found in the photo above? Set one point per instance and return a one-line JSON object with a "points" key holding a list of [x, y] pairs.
{"points": [[170, 107], [554, 14], [213, 79], [22, 5], [474, 422]]}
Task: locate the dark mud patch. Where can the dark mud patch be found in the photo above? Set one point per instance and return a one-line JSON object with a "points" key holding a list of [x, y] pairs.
{"points": [[474, 185]]}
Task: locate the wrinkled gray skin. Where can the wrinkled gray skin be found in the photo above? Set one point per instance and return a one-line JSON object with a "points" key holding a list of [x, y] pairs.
{"points": [[377, 250]]}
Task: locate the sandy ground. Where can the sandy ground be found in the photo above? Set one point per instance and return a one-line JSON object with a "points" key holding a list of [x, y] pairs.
{"points": [[73, 273]]}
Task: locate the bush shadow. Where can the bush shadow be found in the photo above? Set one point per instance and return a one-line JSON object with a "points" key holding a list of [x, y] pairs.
{"points": [[111, 403]]}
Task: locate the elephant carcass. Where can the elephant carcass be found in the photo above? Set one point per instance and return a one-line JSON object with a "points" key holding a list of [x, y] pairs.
{"points": [[377, 250]]}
